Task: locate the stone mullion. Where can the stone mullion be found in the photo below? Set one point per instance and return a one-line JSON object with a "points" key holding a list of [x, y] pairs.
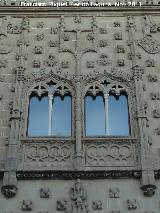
{"points": [[147, 181]]}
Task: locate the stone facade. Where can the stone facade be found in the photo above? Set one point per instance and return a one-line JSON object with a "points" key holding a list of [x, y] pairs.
{"points": [[78, 49]]}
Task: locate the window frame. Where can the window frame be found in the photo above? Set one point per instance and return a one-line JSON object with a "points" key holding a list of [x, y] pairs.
{"points": [[131, 105], [26, 102]]}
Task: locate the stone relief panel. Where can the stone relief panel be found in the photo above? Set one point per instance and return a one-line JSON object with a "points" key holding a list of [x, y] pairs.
{"points": [[110, 153], [46, 154]]}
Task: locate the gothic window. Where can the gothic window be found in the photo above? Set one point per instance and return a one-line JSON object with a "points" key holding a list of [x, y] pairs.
{"points": [[106, 111], [49, 111]]}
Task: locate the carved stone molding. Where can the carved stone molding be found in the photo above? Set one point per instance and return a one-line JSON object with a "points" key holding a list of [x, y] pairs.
{"points": [[27, 175]]}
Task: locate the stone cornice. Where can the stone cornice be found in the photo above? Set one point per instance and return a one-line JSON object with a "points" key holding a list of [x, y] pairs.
{"points": [[70, 11]]}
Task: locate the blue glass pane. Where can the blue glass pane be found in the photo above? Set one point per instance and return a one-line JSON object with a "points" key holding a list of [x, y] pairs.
{"points": [[94, 116], [61, 116], [118, 116], [38, 117]]}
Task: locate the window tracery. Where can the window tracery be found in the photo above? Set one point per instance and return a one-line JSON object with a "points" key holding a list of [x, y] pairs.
{"points": [[106, 110], [49, 111]]}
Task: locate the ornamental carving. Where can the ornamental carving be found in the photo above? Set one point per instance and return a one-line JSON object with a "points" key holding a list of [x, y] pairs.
{"points": [[103, 31], [148, 190], [5, 46], [90, 36], [120, 49], [46, 155], [150, 63], [36, 63], [117, 36], [104, 60], [90, 64], [16, 29], [53, 43], [152, 78], [65, 64], [120, 62], [114, 193], [110, 154], [54, 30], [3, 63], [149, 44], [38, 50], [40, 24], [79, 203], [115, 211], [27, 205], [51, 61], [39, 37], [157, 130], [9, 191], [97, 205], [77, 19], [156, 113], [155, 96], [117, 24], [103, 43], [44, 193], [131, 204], [62, 205]]}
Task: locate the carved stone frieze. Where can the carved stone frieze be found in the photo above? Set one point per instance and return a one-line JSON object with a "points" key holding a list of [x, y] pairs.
{"points": [[44, 193], [114, 193], [131, 204], [27, 205], [110, 154], [46, 155], [97, 205]]}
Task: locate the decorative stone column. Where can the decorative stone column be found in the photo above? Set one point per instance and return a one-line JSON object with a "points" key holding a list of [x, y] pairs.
{"points": [[9, 187], [147, 180]]}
